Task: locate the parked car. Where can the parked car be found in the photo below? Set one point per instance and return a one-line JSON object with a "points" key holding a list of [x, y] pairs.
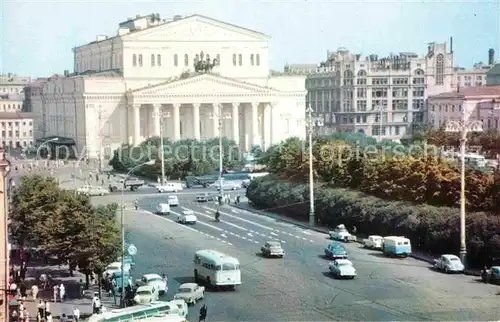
{"points": [[124, 184], [170, 187], [92, 191], [173, 201], [341, 233], [335, 251], [116, 267], [154, 280], [163, 209], [272, 249], [491, 275], [342, 268], [449, 263], [373, 242], [204, 197], [190, 293], [178, 307], [146, 294], [187, 217]]}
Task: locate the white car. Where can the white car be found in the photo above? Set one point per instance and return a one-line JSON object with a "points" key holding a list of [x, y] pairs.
{"points": [[153, 280], [449, 264], [178, 307], [170, 187], [173, 201], [92, 191], [373, 242], [342, 268], [190, 292], [146, 294], [341, 233], [116, 267], [187, 217], [163, 209]]}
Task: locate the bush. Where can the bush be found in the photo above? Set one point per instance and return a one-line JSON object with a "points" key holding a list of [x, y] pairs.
{"points": [[431, 229]]}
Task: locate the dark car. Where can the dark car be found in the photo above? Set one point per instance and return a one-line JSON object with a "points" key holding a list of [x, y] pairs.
{"points": [[335, 251]]}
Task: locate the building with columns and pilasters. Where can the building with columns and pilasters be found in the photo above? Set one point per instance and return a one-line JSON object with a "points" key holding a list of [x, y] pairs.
{"points": [[183, 74]]}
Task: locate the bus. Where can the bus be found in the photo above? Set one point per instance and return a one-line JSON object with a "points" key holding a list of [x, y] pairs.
{"points": [[141, 312], [216, 268], [475, 160]]}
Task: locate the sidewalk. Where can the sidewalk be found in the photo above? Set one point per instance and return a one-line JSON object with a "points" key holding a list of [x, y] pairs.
{"points": [[60, 275], [325, 230]]}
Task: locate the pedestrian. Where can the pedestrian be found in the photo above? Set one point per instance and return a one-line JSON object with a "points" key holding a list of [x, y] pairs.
{"points": [[165, 280], [237, 199], [26, 315], [47, 309], [55, 292], [203, 313], [41, 309], [34, 292], [76, 314], [64, 318], [44, 280], [96, 303], [22, 289], [354, 229], [49, 317], [82, 288], [62, 292]]}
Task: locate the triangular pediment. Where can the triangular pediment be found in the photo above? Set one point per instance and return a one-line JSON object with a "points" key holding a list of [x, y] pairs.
{"points": [[196, 28], [205, 84]]}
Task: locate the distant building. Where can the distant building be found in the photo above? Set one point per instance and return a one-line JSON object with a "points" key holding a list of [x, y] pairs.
{"points": [[384, 96], [493, 76], [478, 103], [33, 89], [16, 126]]}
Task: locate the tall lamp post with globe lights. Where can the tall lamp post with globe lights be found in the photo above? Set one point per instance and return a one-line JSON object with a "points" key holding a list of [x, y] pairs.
{"points": [[162, 115], [463, 127], [311, 123], [220, 117]]}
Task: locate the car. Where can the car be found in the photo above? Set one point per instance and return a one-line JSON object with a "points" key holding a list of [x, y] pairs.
{"points": [[115, 268], [173, 201], [342, 268], [449, 264], [204, 197], [187, 217], [170, 187], [178, 307], [373, 242], [146, 294], [154, 280], [341, 233], [491, 275], [92, 191], [272, 249], [335, 251], [190, 293], [163, 209]]}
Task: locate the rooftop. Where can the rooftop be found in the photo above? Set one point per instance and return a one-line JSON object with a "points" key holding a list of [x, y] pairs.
{"points": [[471, 92], [11, 79], [16, 115]]}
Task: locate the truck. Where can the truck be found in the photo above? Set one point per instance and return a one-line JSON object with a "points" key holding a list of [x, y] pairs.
{"points": [[123, 184]]}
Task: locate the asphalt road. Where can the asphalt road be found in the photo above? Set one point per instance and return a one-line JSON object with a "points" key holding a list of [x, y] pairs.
{"points": [[297, 287]]}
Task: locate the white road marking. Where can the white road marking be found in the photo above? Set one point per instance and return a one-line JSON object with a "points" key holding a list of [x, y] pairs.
{"points": [[242, 219], [184, 226], [306, 232], [223, 235], [243, 237], [250, 234], [256, 242], [283, 242], [236, 212], [274, 234], [227, 223]]}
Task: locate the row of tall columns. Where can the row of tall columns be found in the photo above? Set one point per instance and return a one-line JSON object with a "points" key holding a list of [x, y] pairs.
{"points": [[261, 131]]}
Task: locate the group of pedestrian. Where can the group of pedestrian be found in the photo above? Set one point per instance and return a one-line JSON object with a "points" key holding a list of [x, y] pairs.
{"points": [[59, 292], [21, 314]]}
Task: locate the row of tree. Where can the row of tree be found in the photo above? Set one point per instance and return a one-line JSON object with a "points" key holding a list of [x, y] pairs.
{"points": [[61, 223], [415, 173], [182, 158], [432, 229]]}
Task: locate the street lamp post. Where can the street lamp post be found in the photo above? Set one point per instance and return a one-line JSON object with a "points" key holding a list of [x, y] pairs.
{"points": [[220, 126], [162, 115], [4, 250], [122, 229], [463, 127], [311, 122]]}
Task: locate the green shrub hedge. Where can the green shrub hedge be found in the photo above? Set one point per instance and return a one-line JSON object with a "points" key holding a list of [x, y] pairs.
{"points": [[431, 229]]}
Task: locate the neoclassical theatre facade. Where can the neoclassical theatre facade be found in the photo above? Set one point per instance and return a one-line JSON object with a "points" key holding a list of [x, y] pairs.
{"points": [[185, 77]]}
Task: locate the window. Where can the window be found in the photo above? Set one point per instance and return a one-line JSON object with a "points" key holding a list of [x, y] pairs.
{"points": [[252, 60], [257, 59], [186, 60], [240, 59], [153, 60], [218, 59], [134, 60], [140, 60], [158, 60], [176, 60], [440, 69], [234, 59]]}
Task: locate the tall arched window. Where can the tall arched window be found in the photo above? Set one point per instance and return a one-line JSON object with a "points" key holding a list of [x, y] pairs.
{"points": [[240, 59], [186, 60], [257, 59], [158, 60], [234, 59], [153, 60], [252, 60], [140, 60], [218, 59], [440, 69], [134, 60], [176, 60]]}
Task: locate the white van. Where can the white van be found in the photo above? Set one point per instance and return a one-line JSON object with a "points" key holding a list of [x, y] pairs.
{"points": [[170, 187], [163, 209]]}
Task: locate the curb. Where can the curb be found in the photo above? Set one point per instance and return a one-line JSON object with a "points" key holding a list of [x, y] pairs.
{"points": [[324, 231]]}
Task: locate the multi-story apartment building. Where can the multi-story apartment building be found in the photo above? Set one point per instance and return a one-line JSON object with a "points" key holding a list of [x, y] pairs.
{"points": [[16, 126], [383, 97]]}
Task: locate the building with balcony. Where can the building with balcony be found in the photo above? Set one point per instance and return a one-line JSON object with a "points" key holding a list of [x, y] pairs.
{"points": [[384, 96], [472, 103], [177, 77]]}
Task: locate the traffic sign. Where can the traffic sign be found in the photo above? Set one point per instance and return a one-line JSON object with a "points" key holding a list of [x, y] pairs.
{"points": [[132, 250]]}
